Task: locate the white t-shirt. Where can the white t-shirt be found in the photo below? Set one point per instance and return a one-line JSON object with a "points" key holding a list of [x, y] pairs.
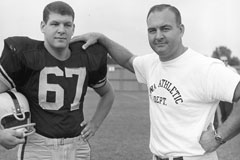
{"points": [[183, 96], [232, 68]]}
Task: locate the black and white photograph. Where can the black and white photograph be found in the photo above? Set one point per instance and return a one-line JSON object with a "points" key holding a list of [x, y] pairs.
{"points": [[120, 80]]}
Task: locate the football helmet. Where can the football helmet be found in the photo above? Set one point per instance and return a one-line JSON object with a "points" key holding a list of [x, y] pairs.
{"points": [[15, 113]]}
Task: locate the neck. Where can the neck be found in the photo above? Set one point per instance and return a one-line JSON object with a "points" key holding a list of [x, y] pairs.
{"points": [[59, 53], [174, 54], [181, 51]]}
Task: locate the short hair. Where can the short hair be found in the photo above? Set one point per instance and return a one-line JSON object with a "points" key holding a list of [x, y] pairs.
{"points": [[57, 7], [162, 7]]}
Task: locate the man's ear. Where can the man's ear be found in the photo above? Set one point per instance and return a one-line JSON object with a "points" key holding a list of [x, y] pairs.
{"points": [[42, 25], [182, 29], [73, 28]]}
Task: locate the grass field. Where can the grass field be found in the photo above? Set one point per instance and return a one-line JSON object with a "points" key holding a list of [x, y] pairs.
{"points": [[124, 135]]}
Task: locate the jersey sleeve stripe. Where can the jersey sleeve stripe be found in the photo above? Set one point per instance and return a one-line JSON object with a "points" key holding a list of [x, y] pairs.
{"points": [[100, 83], [5, 78]]}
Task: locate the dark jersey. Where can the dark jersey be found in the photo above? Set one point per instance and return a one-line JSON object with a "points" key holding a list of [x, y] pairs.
{"points": [[55, 89]]}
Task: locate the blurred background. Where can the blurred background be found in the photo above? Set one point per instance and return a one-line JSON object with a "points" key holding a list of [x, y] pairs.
{"points": [[208, 23]]}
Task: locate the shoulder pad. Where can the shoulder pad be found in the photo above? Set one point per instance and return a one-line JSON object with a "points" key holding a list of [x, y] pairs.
{"points": [[93, 49], [17, 44], [97, 56], [97, 49], [76, 46]]}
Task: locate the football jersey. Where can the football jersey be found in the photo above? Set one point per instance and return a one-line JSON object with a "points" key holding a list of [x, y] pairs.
{"points": [[55, 89]]}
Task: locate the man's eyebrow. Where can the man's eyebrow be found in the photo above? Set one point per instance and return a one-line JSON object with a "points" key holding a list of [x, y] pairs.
{"points": [[165, 25], [54, 21]]}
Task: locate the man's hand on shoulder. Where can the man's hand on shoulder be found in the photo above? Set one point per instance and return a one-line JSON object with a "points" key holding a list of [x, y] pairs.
{"points": [[89, 38]]}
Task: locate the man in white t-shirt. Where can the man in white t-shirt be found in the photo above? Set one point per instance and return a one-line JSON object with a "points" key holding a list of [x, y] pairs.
{"points": [[184, 89]]}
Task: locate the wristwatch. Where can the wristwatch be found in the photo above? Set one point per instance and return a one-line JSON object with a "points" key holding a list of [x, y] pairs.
{"points": [[218, 138]]}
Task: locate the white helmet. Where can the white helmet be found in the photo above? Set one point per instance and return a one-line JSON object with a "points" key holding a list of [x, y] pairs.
{"points": [[15, 113]]}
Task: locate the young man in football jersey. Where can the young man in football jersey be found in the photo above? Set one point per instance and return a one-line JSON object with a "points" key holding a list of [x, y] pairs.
{"points": [[54, 76], [184, 89]]}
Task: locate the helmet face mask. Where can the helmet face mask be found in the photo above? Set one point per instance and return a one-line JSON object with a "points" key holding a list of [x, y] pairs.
{"points": [[10, 121], [15, 113]]}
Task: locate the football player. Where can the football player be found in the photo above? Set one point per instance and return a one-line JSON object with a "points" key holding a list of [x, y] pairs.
{"points": [[54, 76]]}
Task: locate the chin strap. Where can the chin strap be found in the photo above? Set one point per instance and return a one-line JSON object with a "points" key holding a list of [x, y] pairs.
{"points": [[19, 114], [18, 111]]}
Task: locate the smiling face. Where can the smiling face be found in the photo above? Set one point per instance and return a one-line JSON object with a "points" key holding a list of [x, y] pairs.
{"points": [[164, 34], [57, 31]]}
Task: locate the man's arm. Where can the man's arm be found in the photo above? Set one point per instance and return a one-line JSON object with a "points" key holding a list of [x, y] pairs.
{"points": [[9, 138], [229, 129], [120, 54], [107, 96]]}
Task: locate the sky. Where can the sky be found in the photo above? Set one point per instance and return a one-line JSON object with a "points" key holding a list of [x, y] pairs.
{"points": [[208, 23]]}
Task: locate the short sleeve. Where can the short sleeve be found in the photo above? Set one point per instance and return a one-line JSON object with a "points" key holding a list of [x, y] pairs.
{"points": [[11, 66], [97, 65], [221, 82], [139, 69]]}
